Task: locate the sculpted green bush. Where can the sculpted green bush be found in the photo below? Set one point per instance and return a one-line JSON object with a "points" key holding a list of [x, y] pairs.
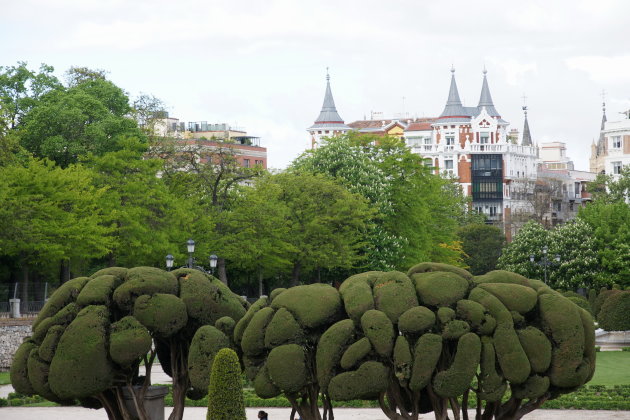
{"points": [[225, 394], [94, 332], [424, 342], [614, 314]]}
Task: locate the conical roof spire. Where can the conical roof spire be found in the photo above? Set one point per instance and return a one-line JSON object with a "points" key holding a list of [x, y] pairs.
{"points": [[329, 113], [453, 106], [527, 137], [485, 100], [602, 140]]}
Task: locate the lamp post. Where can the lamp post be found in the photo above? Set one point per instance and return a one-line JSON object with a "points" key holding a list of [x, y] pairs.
{"points": [[545, 261], [190, 246]]}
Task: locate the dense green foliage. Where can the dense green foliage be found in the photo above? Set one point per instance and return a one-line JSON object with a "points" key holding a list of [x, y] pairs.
{"points": [[482, 245], [94, 333], [420, 337], [613, 315], [225, 393], [417, 212]]}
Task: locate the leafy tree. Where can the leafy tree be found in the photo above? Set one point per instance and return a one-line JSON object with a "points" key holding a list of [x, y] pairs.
{"points": [[609, 217], [530, 240], [482, 244], [256, 231], [207, 175], [416, 211], [325, 222], [20, 89], [578, 266], [148, 110], [65, 125], [146, 220], [49, 214]]}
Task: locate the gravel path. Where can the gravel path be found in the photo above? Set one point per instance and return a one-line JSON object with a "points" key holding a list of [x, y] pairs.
{"points": [[199, 413]]}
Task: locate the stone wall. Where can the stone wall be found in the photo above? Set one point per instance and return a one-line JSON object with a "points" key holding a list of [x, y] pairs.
{"points": [[12, 332]]}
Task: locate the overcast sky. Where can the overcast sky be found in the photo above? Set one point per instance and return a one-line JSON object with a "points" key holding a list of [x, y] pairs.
{"points": [[261, 65]]}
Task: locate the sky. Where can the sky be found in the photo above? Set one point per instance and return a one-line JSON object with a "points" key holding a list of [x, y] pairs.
{"points": [[261, 65]]}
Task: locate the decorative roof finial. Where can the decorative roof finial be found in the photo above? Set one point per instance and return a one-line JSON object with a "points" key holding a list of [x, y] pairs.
{"points": [[484, 69], [327, 75], [452, 68]]}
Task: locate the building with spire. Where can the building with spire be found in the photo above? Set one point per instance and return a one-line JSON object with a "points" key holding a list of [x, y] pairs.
{"points": [[328, 123], [612, 151], [472, 144]]}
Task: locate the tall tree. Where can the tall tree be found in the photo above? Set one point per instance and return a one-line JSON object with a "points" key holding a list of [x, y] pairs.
{"points": [[49, 214], [417, 211], [256, 231], [326, 222], [147, 221], [482, 244], [609, 217], [65, 125], [20, 89], [207, 174], [530, 240], [578, 267]]}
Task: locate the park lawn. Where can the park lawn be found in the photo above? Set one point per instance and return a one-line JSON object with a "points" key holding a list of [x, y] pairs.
{"points": [[4, 378], [613, 368]]}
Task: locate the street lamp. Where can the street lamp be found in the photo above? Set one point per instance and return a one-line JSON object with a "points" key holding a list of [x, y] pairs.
{"points": [[190, 246], [169, 261], [213, 263], [544, 261]]}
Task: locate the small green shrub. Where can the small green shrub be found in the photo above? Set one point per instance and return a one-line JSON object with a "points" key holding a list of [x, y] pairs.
{"points": [[613, 315], [225, 393]]}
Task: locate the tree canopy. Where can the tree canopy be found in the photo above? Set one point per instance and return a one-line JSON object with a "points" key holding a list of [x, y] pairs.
{"points": [[416, 211]]}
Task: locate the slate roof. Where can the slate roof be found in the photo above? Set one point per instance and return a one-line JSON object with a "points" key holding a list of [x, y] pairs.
{"points": [[527, 137], [328, 117]]}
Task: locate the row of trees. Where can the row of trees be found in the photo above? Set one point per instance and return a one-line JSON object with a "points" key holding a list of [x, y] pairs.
{"points": [[87, 184], [594, 248]]}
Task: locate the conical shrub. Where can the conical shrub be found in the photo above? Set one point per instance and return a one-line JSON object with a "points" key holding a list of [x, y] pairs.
{"points": [[225, 393]]}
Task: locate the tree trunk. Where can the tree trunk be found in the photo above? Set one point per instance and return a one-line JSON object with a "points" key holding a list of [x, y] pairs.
{"points": [[260, 282], [295, 277], [111, 260], [64, 271], [221, 271], [23, 295]]}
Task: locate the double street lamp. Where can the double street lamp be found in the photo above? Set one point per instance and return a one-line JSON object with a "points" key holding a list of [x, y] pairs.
{"points": [[544, 261], [190, 245]]}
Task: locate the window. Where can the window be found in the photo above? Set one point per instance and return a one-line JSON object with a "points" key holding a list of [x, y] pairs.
{"points": [[493, 210], [616, 142], [450, 140], [616, 168], [427, 140], [448, 164], [577, 189], [246, 163], [484, 138]]}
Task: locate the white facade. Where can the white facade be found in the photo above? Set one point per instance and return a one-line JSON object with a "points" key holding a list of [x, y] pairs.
{"points": [[617, 138]]}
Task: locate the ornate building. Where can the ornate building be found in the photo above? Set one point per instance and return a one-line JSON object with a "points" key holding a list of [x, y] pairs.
{"points": [[612, 151], [473, 145]]}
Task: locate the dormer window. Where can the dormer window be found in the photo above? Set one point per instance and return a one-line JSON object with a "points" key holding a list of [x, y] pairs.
{"points": [[484, 138]]}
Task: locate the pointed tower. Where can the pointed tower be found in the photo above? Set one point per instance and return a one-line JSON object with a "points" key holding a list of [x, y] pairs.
{"points": [[453, 110], [527, 137], [328, 123], [485, 100], [601, 143]]}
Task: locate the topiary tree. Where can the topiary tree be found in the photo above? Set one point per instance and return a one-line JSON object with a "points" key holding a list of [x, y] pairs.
{"points": [[225, 394], [92, 335], [425, 340], [278, 338], [613, 315]]}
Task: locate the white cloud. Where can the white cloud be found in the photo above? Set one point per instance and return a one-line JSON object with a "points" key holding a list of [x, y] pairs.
{"points": [[516, 71], [602, 69]]}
